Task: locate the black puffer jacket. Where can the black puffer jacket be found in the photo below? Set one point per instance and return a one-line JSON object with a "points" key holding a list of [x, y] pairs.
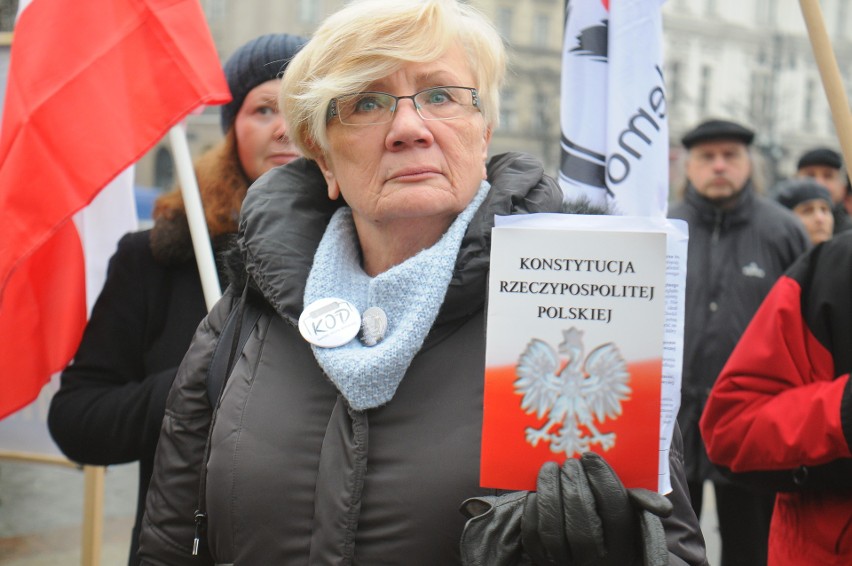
{"points": [[735, 256], [295, 475]]}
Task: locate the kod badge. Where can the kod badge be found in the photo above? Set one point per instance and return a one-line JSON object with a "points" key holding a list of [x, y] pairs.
{"points": [[329, 323]]}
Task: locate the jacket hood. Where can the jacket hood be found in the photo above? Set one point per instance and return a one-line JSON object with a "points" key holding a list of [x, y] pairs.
{"points": [[285, 214]]}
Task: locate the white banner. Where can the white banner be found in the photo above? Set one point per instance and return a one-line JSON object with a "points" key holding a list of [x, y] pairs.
{"points": [[613, 113]]}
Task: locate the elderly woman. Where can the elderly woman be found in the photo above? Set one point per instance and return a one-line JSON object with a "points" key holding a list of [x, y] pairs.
{"points": [[332, 448]]}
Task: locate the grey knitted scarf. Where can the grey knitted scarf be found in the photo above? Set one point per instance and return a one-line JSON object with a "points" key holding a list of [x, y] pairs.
{"points": [[410, 293]]}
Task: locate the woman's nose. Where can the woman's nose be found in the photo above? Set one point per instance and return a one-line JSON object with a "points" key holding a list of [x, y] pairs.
{"points": [[280, 131], [407, 126]]}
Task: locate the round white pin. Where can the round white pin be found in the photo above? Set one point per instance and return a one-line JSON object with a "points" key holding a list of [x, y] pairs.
{"points": [[329, 323]]}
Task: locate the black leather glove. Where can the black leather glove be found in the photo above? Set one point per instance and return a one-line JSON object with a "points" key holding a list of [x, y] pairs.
{"points": [[581, 515]]}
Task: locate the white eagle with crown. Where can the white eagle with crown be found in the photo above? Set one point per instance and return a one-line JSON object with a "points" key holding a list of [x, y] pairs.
{"points": [[583, 392]]}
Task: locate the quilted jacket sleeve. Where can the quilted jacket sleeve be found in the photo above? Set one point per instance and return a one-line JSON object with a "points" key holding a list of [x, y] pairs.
{"points": [[684, 539], [168, 528]]}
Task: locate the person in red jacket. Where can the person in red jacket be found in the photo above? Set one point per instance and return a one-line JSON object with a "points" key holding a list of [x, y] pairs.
{"points": [[780, 414]]}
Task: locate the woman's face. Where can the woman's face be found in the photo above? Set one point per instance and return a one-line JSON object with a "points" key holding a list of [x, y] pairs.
{"points": [[818, 219], [409, 168], [262, 141]]}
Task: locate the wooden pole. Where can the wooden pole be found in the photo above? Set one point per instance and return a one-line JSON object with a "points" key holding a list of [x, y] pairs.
{"points": [[93, 515], [195, 216], [832, 81], [37, 458]]}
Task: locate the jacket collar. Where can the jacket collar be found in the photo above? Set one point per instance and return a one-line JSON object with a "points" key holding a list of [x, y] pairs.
{"points": [[222, 185], [739, 208]]}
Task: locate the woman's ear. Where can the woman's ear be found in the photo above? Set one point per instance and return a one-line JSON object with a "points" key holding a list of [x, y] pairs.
{"points": [[330, 179], [486, 140]]}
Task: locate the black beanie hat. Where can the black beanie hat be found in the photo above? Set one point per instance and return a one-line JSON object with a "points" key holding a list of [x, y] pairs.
{"points": [[793, 192], [714, 130], [261, 59], [820, 156]]}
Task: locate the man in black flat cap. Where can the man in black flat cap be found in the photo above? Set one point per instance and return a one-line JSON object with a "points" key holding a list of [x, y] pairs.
{"points": [[825, 166], [739, 244]]}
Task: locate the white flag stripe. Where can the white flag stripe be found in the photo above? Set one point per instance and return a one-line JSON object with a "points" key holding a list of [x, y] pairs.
{"points": [[110, 216], [614, 115]]}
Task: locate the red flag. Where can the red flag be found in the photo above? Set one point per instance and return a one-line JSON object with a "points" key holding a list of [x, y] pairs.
{"points": [[92, 86]]}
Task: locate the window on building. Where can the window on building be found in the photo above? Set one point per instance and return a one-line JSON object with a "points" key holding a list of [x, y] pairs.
{"points": [[541, 23], [808, 110], [504, 22], [8, 11], [840, 22], [164, 169], [760, 102], [765, 13], [541, 113], [704, 89], [772, 12], [755, 99], [508, 111], [673, 82], [215, 11]]}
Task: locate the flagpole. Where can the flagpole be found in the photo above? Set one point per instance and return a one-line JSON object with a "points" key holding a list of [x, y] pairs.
{"points": [[832, 81], [195, 216]]}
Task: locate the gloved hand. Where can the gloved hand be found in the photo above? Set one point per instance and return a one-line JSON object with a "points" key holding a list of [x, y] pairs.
{"points": [[581, 515]]}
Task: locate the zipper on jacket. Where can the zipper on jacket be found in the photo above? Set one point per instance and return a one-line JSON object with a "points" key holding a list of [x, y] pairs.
{"points": [[717, 227], [200, 526]]}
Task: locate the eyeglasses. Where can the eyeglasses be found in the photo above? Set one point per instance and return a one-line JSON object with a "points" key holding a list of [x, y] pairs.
{"points": [[436, 103]]}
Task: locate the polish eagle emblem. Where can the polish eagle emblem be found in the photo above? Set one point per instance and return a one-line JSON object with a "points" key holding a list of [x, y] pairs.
{"points": [[583, 392]]}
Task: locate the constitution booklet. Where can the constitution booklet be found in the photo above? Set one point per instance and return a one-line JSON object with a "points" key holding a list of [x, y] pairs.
{"points": [[583, 345]]}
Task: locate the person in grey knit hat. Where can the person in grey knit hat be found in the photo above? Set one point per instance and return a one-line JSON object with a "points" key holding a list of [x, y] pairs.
{"points": [[112, 398], [254, 74], [811, 202], [825, 166], [262, 59]]}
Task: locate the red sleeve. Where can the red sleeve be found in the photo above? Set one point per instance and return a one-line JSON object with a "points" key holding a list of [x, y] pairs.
{"points": [[776, 404]]}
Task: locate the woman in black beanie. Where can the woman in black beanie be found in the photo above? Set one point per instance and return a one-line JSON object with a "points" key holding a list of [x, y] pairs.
{"points": [[112, 397], [811, 202]]}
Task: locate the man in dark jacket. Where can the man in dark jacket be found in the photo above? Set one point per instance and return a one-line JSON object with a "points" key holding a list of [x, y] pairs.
{"points": [[739, 244], [825, 166]]}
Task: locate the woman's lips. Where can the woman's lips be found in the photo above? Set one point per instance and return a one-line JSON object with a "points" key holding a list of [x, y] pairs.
{"points": [[413, 174]]}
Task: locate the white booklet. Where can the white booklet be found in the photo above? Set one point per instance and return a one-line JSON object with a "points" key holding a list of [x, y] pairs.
{"points": [[584, 345]]}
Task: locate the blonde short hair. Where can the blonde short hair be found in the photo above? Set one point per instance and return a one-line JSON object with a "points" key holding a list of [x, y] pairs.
{"points": [[370, 39]]}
